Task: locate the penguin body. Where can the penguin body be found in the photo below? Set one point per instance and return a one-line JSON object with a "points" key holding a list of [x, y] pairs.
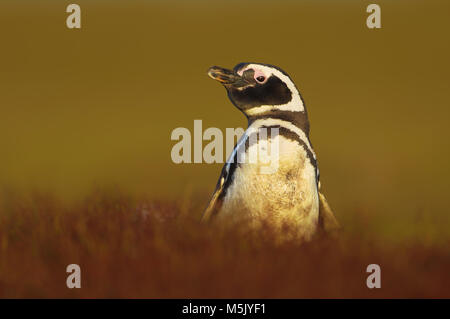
{"points": [[272, 173]]}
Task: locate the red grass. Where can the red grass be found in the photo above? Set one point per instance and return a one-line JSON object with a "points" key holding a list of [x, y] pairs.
{"points": [[166, 254]]}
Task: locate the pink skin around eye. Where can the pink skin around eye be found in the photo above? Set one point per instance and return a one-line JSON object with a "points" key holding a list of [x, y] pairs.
{"points": [[257, 74]]}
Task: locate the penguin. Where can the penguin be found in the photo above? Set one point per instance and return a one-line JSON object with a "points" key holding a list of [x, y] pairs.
{"points": [[281, 185]]}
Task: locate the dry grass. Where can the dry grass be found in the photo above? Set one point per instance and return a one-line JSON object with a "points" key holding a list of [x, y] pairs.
{"points": [[165, 253], [96, 107]]}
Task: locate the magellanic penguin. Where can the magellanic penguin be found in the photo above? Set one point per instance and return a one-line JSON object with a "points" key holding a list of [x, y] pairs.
{"points": [[287, 192]]}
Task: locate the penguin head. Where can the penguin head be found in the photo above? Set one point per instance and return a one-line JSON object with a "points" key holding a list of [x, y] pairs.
{"points": [[256, 88]]}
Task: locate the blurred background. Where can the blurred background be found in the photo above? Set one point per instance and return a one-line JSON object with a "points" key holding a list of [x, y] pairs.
{"points": [[94, 108]]}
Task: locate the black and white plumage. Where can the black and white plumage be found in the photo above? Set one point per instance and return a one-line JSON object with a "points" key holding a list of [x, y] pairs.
{"points": [[290, 192]]}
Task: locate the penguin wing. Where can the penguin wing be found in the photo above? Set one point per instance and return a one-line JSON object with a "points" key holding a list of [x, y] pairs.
{"points": [[216, 200], [327, 219]]}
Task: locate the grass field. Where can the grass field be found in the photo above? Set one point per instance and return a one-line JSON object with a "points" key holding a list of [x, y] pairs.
{"points": [[160, 250], [86, 118]]}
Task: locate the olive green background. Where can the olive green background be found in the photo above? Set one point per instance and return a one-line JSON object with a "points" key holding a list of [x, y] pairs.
{"points": [[95, 108]]}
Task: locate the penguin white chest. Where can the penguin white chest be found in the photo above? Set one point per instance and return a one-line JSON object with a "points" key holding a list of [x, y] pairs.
{"points": [[285, 189]]}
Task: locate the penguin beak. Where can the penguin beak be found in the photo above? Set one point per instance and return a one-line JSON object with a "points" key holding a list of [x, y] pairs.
{"points": [[227, 77]]}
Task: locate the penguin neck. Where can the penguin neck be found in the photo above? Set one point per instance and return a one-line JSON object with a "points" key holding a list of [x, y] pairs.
{"points": [[298, 118]]}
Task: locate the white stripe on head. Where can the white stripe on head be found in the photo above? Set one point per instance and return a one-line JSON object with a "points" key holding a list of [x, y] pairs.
{"points": [[294, 105]]}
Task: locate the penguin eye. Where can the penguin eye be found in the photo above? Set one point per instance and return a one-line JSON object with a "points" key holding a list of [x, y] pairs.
{"points": [[260, 79]]}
